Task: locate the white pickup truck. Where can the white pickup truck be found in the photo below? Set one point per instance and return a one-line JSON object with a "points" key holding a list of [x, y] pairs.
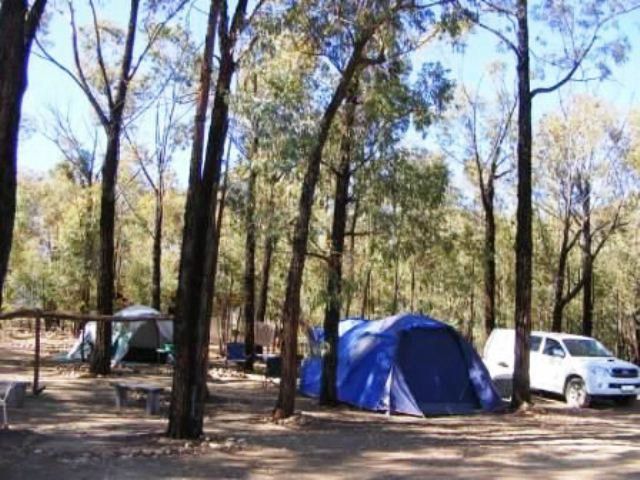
{"points": [[578, 367]]}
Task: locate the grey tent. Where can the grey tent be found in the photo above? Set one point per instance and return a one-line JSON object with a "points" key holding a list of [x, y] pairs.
{"points": [[144, 335]]}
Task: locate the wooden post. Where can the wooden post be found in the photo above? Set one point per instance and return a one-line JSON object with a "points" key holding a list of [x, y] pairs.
{"points": [[36, 368]]}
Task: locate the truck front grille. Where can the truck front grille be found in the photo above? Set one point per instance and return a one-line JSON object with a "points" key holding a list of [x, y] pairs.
{"points": [[624, 373]]}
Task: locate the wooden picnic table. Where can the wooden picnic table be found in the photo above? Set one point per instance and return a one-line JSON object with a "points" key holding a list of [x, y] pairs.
{"points": [[152, 393]]}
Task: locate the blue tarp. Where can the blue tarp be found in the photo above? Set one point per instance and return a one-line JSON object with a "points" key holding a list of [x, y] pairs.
{"points": [[407, 363]]}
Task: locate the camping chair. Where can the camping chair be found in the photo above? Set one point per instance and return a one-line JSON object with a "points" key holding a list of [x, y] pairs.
{"points": [[4, 397], [235, 354]]}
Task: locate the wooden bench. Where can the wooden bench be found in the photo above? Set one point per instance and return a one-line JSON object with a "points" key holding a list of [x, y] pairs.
{"points": [[152, 392]]}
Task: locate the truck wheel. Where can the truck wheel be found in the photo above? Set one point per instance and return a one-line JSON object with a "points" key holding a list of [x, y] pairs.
{"points": [[575, 393]]}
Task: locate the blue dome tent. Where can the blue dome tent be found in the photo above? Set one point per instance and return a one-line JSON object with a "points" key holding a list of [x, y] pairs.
{"points": [[408, 364]]}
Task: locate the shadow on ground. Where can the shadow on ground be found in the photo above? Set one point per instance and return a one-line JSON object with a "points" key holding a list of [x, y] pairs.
{"points": [[73, 431]]}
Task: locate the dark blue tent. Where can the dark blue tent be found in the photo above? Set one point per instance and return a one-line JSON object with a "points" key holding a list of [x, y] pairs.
{"points": [[407, 363]]}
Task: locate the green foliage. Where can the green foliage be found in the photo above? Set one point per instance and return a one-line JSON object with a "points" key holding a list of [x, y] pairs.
{"points": [[414, 239]]}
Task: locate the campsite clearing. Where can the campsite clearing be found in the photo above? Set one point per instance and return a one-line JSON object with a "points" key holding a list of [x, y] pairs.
{"points": [[73, 431]]}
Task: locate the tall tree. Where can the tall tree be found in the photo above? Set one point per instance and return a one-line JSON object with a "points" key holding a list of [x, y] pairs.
{"points": [[80, 167], [584, 141], [270, 243], [199, 256], [169, 135], [377, 113], [107, 95], [328, 387], [344, 36], [584, 25], [250, 267], [18, 24], [488, 151]]}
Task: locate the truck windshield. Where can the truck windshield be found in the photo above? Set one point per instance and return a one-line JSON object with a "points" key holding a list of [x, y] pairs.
{"points": [[586, 347]]}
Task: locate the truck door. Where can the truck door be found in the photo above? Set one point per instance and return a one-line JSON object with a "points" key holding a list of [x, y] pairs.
{"points": [[552, 366], [534, 362]]}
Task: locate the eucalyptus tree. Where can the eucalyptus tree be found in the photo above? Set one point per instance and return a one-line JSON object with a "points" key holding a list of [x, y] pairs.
{"points": [[603, 182], [80, 167], [351, 36], [272, 107], [487, 153], [18, 24], [378, 110], [587, 44], [106, 81], [556, 188], [199, 255], [169, 135], [170, 75], [585, 184]]}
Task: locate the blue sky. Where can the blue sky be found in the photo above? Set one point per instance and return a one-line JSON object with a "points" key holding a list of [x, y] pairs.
{"points": [[49, 88]]}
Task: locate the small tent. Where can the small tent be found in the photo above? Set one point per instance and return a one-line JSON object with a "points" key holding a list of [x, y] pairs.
{"points": [[127, 336], [408, 364]]}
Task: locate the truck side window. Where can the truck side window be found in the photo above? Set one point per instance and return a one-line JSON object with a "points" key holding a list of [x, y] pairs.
{"points": [[552, 348], [535, 343]]}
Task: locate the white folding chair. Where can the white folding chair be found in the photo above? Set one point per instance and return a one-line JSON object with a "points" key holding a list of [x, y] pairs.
{"points": [[4, 397]]}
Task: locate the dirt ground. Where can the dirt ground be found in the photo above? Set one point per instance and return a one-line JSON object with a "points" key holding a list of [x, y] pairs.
{"points": [[73, 431]]}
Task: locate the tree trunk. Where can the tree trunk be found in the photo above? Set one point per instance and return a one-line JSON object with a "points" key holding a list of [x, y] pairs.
{"points": [[413, 288], [587, 262], [559, 280], [396, 283], [468, 331], [270, 242], [291, 308], [101, 357], [636, 322], [199, 254], [156, 290], [489, 257], [223, 202], [328, 390], [18, 26], [250, 270], [352, 253], [187, 388], [524, 248], [219, 219], [365, 294], [88, 249]]}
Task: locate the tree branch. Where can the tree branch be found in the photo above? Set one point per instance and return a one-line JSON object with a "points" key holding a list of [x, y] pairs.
{"points": [[578, 61], [32, 22], [104, 120], [153, 37], [103, 69]]}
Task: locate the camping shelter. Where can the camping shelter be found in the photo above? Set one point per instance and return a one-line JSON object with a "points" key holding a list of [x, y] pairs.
{"points": [[127, 336], [408, 364]]}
